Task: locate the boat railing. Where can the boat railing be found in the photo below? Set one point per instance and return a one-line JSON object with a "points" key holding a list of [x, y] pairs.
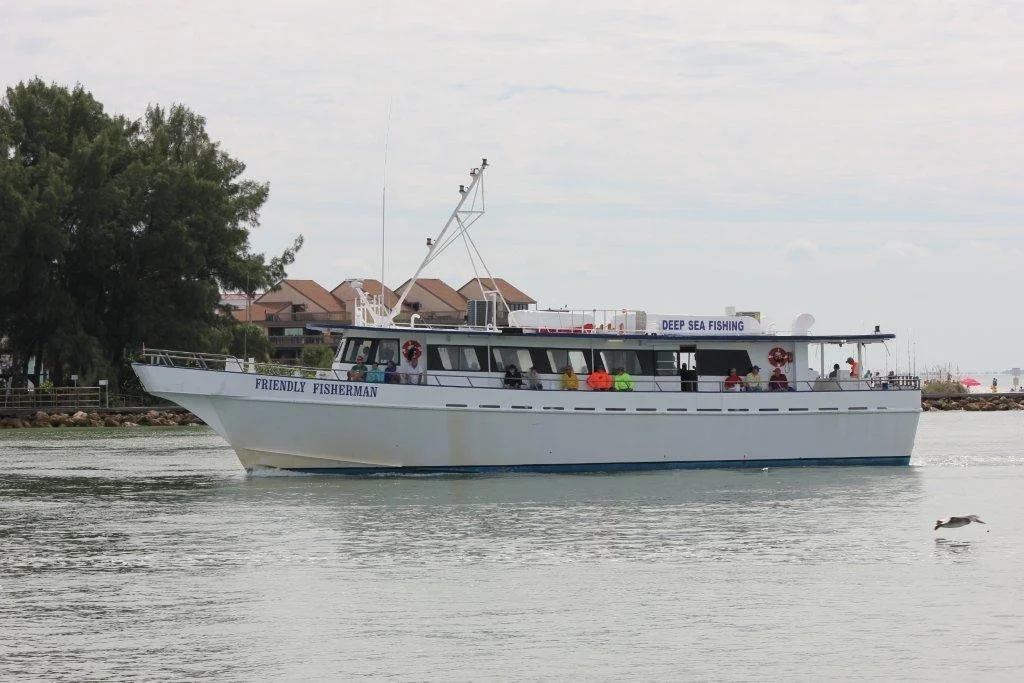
{"points": [[490, 380]]}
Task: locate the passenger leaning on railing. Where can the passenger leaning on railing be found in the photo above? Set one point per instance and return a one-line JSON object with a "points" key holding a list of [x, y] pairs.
{"points": [[599, 380], [357, 373], [412, 372], [570, 382], [623, 380], [778, 381], [752, 382], [733, 382], [513, 378], [391, 375], [375, 374]]}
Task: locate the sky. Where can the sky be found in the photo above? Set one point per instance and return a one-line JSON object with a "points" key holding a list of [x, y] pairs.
{"points": [[860, 161]]}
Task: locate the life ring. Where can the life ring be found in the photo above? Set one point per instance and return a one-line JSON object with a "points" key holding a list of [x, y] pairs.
{"points": [[412, 349], [779, 357]]}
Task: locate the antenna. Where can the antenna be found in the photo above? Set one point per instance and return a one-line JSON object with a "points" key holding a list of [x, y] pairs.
{"points": [[383, 198]]}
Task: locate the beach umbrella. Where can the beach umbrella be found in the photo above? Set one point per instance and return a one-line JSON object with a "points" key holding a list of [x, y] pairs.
{"points": [[970, 382]]}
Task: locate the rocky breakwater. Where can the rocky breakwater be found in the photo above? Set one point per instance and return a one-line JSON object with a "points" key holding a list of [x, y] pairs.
{"points": [[149, 418], [974, 402]]}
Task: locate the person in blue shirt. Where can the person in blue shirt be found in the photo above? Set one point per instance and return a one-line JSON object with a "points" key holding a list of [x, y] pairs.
{"points": [[375, 374]]}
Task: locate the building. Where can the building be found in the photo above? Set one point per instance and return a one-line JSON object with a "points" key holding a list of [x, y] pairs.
{"points": [[435, 302], [283, 312]]}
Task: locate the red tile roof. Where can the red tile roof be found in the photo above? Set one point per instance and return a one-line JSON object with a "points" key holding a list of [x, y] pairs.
{"points": [[313, 291], [344, 291], [471, 290], [439, 289]]}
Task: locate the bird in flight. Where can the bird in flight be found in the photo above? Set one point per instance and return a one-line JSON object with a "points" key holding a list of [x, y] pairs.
{"points": [[956, 522]]}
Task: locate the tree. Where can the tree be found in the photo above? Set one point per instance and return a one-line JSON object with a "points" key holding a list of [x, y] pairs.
{"points": [[115, 233], [316, 357]]}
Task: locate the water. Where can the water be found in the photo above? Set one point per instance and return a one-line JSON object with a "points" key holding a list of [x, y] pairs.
{"points": [[148, 555]]}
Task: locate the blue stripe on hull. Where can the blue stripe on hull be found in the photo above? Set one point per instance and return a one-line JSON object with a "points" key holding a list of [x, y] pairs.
{"points": [[570, 468]]}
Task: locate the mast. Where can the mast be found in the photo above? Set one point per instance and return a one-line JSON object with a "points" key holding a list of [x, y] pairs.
{"points": [[462, 216]]}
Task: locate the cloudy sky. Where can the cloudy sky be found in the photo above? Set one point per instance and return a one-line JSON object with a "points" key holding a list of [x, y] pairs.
{"points": [[861, 161]]}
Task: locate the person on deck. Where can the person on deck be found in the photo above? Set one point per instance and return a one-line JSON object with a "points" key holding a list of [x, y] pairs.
{"points": [[854, 368], [778, 381], [513, 378], [733, 381], [391, 375], [570, 382], [375, 374], [752, 382], [599, 380], [358, 371], [533, 379], [687, 378], [413, 372], [623, 380], [835, 372]]}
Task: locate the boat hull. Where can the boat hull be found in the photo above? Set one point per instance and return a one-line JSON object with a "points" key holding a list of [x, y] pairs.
{"points": [[326, 426]]}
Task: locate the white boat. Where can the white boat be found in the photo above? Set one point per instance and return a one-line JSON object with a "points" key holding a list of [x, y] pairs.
{"points": [[456, 413]]}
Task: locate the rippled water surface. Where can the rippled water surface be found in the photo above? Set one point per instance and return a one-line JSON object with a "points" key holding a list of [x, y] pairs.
{"points": [[148, 554]]}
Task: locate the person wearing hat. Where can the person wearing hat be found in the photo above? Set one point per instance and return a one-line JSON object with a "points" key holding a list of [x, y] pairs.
{"points": [[753, 379], [733, 382], [854, 368]]}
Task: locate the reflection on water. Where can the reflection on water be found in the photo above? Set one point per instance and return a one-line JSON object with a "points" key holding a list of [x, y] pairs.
{"points": [[951, 546], [152, 555]]}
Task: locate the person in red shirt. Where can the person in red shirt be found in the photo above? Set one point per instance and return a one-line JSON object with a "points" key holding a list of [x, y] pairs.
{"points": [[778, 381], [733, 381], [854, 368], [599, 380]]}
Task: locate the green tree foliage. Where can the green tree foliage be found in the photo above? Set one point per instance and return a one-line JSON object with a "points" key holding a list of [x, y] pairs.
{"points": [[316, 357], [245, 340], [115, 233]]}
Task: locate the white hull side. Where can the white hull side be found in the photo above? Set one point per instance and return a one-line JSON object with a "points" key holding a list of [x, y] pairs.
{"points": [[417, 427]]}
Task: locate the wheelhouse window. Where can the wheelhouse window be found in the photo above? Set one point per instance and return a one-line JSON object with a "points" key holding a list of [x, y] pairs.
{"points": [[372, 350], [457, 358]]}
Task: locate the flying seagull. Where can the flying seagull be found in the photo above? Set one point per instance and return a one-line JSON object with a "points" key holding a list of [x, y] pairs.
{"points": [[955, 522]]}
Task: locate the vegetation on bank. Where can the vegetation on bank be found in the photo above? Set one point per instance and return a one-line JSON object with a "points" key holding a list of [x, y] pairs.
{"points": [[936, 387], [116, 233]]}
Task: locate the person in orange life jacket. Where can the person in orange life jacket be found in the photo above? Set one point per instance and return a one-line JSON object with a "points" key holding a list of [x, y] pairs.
{"points": [[733, 381], [599, 380]]}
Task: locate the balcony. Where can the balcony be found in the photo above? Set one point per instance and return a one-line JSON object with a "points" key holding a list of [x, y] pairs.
{"points": [[283, 341], [342, 317]]}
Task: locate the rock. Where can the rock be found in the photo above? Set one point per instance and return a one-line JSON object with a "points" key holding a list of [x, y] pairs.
{"points": [[111, 421], [127, 423]]}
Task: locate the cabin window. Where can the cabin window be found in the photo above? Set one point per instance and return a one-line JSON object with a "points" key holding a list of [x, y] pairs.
{"points": [[579, 359], [387, 350], [457, 358], [720, 361], [506, 356], [635, 362], [355, 347]]}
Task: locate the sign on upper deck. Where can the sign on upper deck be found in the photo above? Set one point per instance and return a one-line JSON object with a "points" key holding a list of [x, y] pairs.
{"points": [[684, 326]]}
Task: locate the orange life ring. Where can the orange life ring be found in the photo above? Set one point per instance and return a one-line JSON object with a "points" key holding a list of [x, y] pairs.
{"points": [[413, 348], [779, 357]]}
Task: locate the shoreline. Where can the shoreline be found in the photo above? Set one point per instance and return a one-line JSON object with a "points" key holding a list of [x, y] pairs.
{"points": [[105, 417], [179, 417]]}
